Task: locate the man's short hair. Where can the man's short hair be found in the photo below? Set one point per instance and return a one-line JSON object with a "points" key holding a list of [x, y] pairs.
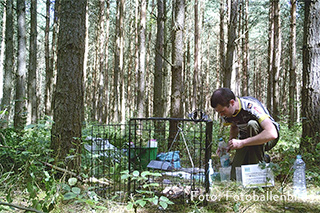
{"points": [[222, 96]]}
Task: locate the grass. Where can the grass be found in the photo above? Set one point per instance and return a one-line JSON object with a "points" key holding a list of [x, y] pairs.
{"points": [[232, 197], [224, 197]]}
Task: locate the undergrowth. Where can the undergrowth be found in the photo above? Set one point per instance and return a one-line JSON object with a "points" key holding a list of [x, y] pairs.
{"points": [[26, 176]]}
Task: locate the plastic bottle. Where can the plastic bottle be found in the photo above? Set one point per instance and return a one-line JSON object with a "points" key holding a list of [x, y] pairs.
{"points": [[299, 178], [224, 155], [210, 172]]}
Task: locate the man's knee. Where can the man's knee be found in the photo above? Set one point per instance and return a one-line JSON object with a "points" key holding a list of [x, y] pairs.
{"points": [[253, 128]]}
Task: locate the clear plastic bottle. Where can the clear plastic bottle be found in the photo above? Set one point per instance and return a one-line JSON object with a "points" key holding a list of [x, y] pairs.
{"points": [[299, 178], [210, 172], [224, 155]]}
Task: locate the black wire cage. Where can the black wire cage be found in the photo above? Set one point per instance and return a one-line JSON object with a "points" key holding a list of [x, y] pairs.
{"points": [[178, 149], [107, 147]]}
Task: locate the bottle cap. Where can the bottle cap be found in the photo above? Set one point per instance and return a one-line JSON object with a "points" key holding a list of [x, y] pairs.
{"points": [[299, 157]]}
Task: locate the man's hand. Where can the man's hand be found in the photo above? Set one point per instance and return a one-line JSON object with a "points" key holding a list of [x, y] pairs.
{"points": [[235, 144]]}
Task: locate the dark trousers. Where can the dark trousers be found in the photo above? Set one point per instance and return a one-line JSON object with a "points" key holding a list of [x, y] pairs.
{"points": [[250, 154]]}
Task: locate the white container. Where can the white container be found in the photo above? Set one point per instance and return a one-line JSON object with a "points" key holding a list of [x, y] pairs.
{"points": [[152, 143]]}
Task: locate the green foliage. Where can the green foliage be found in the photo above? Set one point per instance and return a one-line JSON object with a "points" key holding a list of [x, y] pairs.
{"points": [[146, 194], [285, 152], [289, 139], [21, 157], [21, 168], [80, 195]]}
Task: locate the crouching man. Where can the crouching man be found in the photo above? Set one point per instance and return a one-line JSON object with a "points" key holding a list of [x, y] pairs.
{"points": [[252, 130]]}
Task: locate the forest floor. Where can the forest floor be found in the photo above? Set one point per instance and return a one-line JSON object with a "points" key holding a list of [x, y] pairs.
{"points": [[224, 197]]}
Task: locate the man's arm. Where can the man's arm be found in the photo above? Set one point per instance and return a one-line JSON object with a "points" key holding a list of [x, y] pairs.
{"points": [[268, 133], [234, 130]]}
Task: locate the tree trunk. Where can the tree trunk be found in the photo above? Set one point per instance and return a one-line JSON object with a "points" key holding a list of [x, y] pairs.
{"points": [[68, 97], [245, 50], [142, 61], [196, 78], [158, 100], [85, 65], [177, 60], [276, 60], [2, 47], [32, 75], [102, 61], [311, 85], [232, 29], [50, 79], [136, 64], [20, 104], [270, 57], [177, 66], [107, 86], [221, 67], [94, 72], [166, 78], [158, 96], [48, 67], [122, 85], [293, 76], [8, 64], [118, 60]]}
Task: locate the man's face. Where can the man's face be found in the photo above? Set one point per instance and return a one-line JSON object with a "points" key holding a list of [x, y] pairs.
{"points": [[225, 111]]}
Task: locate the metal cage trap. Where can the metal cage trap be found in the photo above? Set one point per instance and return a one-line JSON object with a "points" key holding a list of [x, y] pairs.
{"points": [[178, 149]]}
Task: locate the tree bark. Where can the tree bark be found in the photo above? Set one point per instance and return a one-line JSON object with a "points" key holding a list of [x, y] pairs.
{"points": [[118, 60], [20, 103], [50, 78], [221, 68], [3, 36], [270, 57], [276, 60], [311, 85], [293, 76], [8, 64], [177, 60], [48, 67], [196, 78], [122, 94], [107, 84], [142, 61], [177, 66], [232, 35], [102, 59], [158, 100], [68, 97], [32, 73], [245, 50]]}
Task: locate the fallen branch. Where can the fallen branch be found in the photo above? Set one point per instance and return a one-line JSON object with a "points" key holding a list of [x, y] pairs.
{"points": [[63, 170], [102, 181], [20, 207]]}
